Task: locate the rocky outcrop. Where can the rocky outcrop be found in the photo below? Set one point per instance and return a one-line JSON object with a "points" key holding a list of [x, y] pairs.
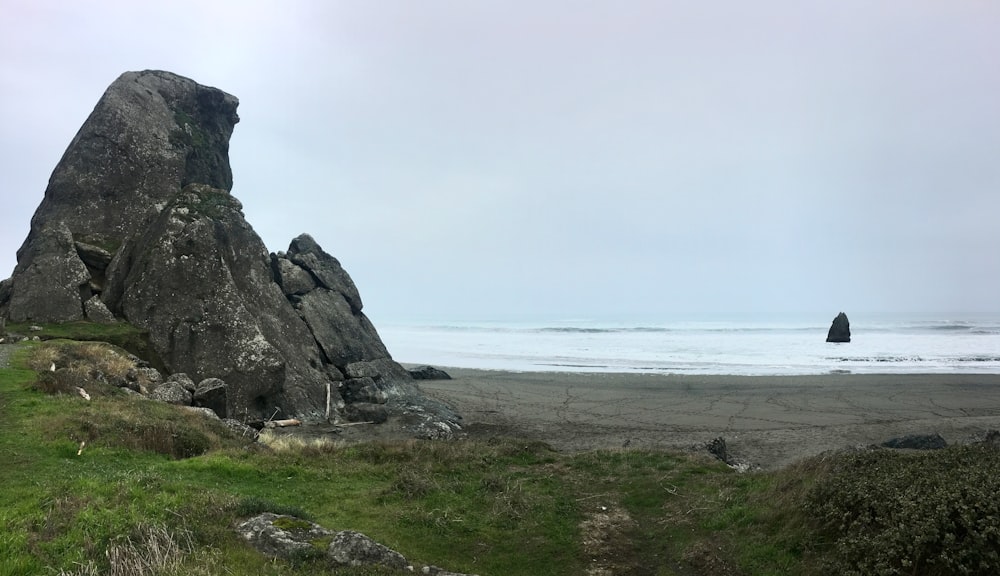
{"points": [[138, 225], [840, 330], [283, 536], [149, 135]]}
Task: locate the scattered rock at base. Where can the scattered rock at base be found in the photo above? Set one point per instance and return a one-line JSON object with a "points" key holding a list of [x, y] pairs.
{"points": [[367, 412], [717, 447], [350, 548], [172, 392], [840, 330], [917, 442], [95, 311], [184, 380], [428, 373], [211, 393], [283, 536]]}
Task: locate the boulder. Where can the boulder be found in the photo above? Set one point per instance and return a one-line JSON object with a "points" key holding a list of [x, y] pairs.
{"points": [[184, 380], [428, 373], [349, 548], [362, 370], [292, 279], [92, 256], [366, 412], [840, 330], [50, 282], [95, 311], [305, 252], [282, 536], [172, 393], [717, 447], [917, 442], [343, 335], [362, 390], [211, 393]]}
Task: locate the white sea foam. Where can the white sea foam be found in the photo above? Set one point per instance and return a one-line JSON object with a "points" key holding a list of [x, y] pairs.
{"points": [[701, 347]]}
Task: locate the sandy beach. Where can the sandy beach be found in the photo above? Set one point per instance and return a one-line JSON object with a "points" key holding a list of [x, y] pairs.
{"points": [[767, 421]]}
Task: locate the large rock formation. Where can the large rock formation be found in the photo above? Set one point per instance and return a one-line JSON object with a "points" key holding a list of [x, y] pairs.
{"points": [[138, 225], [151, 134], [840, 329]]}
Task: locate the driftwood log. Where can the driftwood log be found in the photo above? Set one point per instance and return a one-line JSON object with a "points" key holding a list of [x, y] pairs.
{"points": [[282, 423]]}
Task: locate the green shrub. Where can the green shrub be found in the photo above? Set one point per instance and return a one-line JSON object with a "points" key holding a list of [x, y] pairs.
{"points": [[912, 513]]}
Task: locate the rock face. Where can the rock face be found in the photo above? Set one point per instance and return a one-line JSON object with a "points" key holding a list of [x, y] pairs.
{"points": [[840, 330], [138, 225], [149, 135]]}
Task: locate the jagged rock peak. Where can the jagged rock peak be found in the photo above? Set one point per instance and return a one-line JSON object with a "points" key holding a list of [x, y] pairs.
{"points": [[138, 225], [150, 134], [840, 329]]}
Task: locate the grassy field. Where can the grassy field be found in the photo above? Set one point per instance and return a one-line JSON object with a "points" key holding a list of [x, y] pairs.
{"points": [[157, 490]]}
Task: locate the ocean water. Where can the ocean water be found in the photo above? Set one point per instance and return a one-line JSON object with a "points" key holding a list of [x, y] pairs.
{"points": [[939, 346]]}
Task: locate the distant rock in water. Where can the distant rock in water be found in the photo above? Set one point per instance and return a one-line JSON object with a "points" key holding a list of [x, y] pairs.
{"points": [[138, 225], [840, 330]]}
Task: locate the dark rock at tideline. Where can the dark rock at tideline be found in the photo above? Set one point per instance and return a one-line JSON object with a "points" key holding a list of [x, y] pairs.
{"points": [[137, 224], [428, 373], [840, 330]]}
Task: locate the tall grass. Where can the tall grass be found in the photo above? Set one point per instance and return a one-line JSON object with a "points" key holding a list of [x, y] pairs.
{"points": [[157, 490]]}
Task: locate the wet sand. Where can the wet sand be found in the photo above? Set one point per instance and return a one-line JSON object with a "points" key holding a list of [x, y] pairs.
{"points": [[767, 421]]}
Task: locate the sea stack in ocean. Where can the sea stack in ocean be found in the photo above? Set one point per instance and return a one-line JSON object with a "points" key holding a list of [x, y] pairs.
{"points": [[840, 330], [138, 225]]}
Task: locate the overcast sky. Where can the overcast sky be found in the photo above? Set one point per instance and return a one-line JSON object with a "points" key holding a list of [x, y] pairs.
{"points": [[572, 159]]}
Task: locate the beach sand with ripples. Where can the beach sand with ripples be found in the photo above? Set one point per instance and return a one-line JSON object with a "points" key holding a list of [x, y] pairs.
{"points": [[767, 421]]}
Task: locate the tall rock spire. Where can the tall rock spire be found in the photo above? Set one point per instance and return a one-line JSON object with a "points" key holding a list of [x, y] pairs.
{"points": [[138, 225]]}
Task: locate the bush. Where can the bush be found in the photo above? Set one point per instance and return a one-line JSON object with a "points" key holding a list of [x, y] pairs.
{"points": [[906, 513]]}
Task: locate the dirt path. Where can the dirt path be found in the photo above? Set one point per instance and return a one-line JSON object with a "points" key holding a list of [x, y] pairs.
{"points": [[768, 421]]}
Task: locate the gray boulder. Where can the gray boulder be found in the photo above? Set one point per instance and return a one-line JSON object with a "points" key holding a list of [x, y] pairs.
{"points": [[366, 412], [350, 548], [305, 252], [95, 311], [184, 380], [211, 393], [50, 282], [362, 390], [172, 393], [840, 329], [293, 279], [281, 536]]}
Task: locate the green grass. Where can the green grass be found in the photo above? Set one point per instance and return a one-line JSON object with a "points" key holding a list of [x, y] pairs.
{"points": [[151, 476], [121, 334]]}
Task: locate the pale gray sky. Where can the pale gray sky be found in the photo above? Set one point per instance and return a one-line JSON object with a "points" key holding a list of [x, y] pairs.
{"points": [[574, 159]]}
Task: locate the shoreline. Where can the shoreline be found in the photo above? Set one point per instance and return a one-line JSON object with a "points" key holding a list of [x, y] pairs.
{"points": [[767, 421]]}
